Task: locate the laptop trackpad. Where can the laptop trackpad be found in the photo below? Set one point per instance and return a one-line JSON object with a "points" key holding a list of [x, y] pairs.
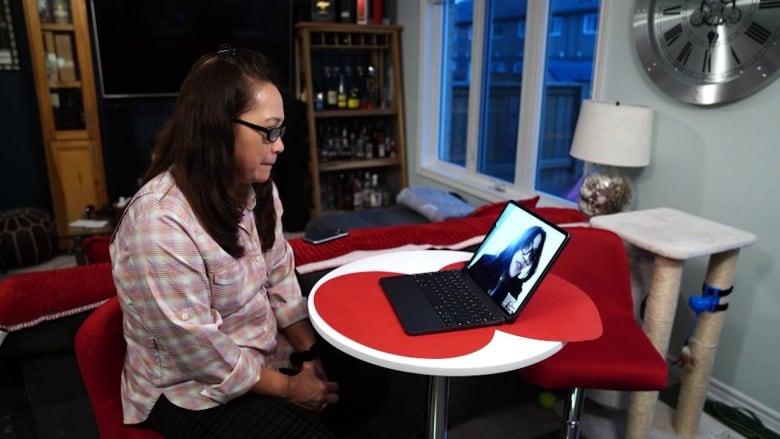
{"points": [[411, 306]]}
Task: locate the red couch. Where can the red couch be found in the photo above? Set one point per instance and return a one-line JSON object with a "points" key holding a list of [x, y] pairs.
{"points": [[40, 312]]}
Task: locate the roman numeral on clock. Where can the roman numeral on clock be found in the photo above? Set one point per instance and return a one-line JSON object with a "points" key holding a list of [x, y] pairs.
{"points": [[685, 53], [768, 4], [735, 56], [758, 33], [672, 10], [672, 34]]}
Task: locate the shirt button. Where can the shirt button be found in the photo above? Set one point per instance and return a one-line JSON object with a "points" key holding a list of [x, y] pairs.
{"points": [[185, 316], [258, 259]]}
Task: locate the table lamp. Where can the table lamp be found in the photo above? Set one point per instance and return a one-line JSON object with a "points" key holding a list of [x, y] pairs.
{"points": [[610, 136]]}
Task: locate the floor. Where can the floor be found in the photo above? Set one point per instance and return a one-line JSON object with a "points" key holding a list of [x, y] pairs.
{"points": [[494, 406]]}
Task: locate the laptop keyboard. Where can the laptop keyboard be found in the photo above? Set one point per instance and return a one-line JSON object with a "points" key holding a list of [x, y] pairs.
{"points": [[455, 302]]}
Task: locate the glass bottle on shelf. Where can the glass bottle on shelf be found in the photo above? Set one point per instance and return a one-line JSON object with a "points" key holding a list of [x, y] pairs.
{"points": [[342, 93], [331, 94], [375, 195], [357, 193]]}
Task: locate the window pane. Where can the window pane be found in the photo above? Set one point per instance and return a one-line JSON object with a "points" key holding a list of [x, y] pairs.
{"points": [[502, 79], [455, 82], [571, 44]]}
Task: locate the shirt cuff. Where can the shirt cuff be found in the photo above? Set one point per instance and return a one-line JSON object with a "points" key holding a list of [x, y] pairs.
{"points": [[240, 381]]}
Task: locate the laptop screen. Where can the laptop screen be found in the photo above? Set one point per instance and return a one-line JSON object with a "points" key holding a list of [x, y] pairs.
{"points": [[514, 256]]}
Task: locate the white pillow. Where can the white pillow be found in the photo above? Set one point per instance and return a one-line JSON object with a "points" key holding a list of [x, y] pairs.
{"points": [[433, 204]]}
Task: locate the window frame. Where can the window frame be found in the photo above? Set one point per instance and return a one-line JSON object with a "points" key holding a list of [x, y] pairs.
{"points": [[467, 179]]}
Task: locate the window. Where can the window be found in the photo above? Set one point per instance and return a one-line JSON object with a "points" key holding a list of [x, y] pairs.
{"points": [[501, 112]]}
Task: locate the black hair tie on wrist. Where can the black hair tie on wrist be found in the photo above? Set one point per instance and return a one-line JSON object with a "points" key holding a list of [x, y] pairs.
{"points": [[298, 358]]}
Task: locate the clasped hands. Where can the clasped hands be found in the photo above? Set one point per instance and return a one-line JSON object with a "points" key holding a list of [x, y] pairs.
{"points": [[310, 388]]}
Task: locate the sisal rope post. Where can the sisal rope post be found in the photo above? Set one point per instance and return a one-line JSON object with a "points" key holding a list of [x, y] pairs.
{"points": [[704, 345], [659, 317]]}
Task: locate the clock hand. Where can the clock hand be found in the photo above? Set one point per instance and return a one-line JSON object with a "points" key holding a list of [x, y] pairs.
{"points": [[712, 37]]}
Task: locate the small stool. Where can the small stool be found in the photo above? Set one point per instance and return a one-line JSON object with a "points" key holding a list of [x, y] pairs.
{"points": [[674, 236]]}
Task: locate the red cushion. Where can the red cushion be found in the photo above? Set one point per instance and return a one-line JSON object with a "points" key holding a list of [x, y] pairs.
{"points": [[453, 234], [623, 357], [100, 351], [30, 298]]}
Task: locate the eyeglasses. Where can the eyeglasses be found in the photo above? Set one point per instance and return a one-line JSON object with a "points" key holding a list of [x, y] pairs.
{"points": [[272, 134]]}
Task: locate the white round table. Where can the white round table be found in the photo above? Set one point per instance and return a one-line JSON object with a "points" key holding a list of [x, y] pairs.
{"points": [[504, 351]]}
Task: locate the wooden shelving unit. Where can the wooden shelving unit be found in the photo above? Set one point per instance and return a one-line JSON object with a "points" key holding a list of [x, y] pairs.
{"points": [[356, 139], [61, 55]]}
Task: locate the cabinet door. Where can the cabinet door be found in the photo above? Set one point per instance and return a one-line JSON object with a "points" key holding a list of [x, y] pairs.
{"points": [[77, 177]]}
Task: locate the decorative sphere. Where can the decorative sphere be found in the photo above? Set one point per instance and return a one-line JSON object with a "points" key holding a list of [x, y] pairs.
{"points": [[604, 192], [547, 400]]}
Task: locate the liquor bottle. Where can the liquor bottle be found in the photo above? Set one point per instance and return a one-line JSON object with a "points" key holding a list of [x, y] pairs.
{"points": [[342, 93], [362, 13], [381, 149], [353, 102], [370, 100], [357, 194], [331, 96], [319, 93], [353, 99], [375, 195], [367, 190]]}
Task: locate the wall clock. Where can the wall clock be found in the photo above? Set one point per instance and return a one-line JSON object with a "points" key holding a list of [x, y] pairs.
{"points": [[709, 52]]}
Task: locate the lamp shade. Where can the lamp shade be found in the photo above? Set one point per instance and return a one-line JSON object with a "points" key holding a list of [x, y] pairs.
{"points": [[613, 134]]}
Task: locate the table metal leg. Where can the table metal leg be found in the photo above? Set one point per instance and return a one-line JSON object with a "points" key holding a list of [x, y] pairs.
{"points": [[78, 250], [438, 396], [704, 345], [658, 321]]}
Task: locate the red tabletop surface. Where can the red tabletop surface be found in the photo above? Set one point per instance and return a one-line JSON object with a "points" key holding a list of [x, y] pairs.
{"points": [[355, 306]]}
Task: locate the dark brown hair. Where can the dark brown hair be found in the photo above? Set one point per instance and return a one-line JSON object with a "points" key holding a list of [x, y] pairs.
{"points": [[197, 145]]}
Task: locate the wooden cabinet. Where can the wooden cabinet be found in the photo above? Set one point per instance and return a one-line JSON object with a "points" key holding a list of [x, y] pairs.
{"points": [[350, 78], [61, 56]]}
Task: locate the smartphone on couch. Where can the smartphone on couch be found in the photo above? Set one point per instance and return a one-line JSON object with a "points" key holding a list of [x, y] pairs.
{"points": [[323, 236]]}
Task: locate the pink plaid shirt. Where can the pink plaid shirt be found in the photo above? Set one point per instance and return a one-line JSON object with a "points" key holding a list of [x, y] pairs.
{"points": [[198, 323]]}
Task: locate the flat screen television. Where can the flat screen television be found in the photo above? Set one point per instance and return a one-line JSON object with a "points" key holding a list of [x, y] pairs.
{"points": [[144, 48]]}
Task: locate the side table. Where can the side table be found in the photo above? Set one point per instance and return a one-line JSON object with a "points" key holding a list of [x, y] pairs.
{"points": [[673, 237]]}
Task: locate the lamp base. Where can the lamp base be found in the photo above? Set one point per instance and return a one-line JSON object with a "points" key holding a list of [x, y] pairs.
{"points": [[605, 190]]}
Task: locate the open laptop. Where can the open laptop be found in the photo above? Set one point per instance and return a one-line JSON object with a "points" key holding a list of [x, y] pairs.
{"points": [[491, 289]]}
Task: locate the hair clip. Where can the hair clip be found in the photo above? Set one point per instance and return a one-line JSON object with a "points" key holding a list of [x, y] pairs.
{"points": [[226, 50]]}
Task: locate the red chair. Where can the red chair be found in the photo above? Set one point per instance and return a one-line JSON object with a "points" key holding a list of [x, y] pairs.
{"points": [[100, 352], [96, 249], [623, 358]]}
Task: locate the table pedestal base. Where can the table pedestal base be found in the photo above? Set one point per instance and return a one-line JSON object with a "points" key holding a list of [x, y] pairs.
{"points": [[438, 396]]}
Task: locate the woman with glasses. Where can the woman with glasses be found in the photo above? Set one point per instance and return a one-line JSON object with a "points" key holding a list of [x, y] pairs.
{"points": [[218, 338], [512, 267]]}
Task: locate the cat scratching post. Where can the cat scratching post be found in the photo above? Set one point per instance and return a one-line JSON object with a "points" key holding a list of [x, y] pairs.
{"points": [[674, 237]]}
